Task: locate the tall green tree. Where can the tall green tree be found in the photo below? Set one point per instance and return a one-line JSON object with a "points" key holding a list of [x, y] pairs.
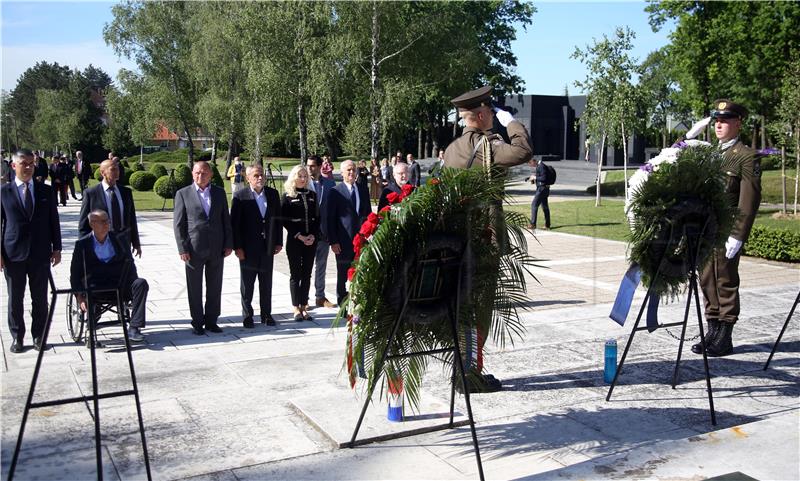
{"points": [[23, 103], [658, 90], [156, 35]]}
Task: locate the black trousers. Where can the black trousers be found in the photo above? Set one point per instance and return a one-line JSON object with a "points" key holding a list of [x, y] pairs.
{"points": [[195, 269], [343, 262], [250, 270], [138, 297], [540, 199], [17, 276], [301, 261]]}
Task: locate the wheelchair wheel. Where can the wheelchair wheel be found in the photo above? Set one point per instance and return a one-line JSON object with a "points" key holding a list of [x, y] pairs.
{"points": [[76, 320]]}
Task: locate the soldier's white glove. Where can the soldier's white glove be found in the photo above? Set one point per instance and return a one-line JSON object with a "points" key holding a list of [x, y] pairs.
{"points": [[503, 117], [732, 246]]}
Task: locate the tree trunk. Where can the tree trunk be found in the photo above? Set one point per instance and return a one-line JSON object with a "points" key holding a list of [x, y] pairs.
{"points": [[797, 164], [257, 149], [783, 178], [141, 154], [374, 84], [190, 160], [303, 128], [763, 132], [624, 159], [600, 160], [753, 141], [229, 155], [214, 149], [435, 136], [420, 137]]}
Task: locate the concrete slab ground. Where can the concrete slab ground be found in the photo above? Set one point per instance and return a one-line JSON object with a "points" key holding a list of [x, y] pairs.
{"points": [[274, 402]]}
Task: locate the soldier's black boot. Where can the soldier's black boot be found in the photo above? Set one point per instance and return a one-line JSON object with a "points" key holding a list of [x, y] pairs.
{"points": [[711, 333], [722, 345]]}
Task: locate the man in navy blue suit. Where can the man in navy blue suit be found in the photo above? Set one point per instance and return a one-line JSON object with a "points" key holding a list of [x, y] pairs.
{"points": [[349, 207], [322, 186], [31, 239]]}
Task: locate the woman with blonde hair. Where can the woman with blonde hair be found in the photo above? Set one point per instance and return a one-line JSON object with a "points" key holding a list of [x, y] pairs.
{"points": [[301, 220]]}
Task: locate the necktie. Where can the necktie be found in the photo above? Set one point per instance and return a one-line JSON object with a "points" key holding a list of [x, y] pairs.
{"points": [[353, 198], [26, 191], [116, 212]]}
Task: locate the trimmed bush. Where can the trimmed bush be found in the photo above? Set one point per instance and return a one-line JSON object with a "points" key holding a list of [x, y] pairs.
{"points": [[771, 162], [608, 189], [164, 189], [183, 175], [125, 163], [136, 167], [158, 170], [97, 176], [216, 178], [202, 155], [773, 244], [142, 180]]}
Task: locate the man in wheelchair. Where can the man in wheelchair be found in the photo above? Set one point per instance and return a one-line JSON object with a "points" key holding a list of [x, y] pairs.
{"points": [[101, 261]]}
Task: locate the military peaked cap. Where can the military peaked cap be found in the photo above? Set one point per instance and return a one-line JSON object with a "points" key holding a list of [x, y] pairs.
{"points": [[724, 108], [474, 99]]}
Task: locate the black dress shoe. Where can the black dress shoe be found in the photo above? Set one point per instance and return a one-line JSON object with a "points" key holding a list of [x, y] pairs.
{"points": [[16, 346], [198, 331], [37, 343], [214, 328], [267, 319], [248, 322]]}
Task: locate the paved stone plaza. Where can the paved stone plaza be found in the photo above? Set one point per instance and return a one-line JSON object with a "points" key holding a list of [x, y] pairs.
{"points": [[274, 403]]}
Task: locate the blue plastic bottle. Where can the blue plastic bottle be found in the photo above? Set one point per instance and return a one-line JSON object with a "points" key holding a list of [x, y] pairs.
{"points": [[610, 368]]}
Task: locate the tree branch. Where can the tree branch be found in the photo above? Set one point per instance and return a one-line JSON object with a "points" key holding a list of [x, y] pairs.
{"points": [[399, 51]]}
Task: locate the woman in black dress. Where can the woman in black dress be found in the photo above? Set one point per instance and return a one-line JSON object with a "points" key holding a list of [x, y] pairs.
{"points": [[301, 220]]}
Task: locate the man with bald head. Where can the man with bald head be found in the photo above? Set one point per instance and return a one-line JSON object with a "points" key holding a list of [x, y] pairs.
{"points": [[102, 260], [349, 207], [117, 201], [204, 235], [400, 174]]}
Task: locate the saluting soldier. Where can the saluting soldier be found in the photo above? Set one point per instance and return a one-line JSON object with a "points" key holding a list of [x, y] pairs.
{"points": [[479, 146], [720, 279]]}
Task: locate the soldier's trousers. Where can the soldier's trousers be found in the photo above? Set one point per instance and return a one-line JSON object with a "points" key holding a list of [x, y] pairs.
{"points": [[720, 284]]}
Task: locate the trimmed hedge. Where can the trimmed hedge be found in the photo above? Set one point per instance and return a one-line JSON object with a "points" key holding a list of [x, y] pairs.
{"points": [[773, 244], [183, 175], [163, 189], [158, 170], [176, 156], [608, 189], [142, 180], [216, 178]]}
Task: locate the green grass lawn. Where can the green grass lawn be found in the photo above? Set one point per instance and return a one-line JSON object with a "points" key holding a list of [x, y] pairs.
{"points": [[608, 221], [770, 184]]}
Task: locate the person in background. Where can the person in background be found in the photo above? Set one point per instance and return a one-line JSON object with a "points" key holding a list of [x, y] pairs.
{"points": [[301, 220], [362, 175], [375, 179], [257, 238], [386, 172], [236, 174], [400, 179], [41, 169], [414, 171], [322, 188], [327, 167], [59, 173], [542, 193], [83, 171]]}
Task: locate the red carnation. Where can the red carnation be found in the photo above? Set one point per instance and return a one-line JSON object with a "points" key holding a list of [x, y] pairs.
{"points": [[386, 209], [351, 272], [373, 218], [358, 242], [367, 229], [406, 190], [393, 198], [434, 181]]}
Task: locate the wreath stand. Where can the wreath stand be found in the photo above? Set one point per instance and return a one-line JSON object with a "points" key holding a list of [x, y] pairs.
{"points": [[419, 291], [693, 233], [95, 396], [785, 324]]}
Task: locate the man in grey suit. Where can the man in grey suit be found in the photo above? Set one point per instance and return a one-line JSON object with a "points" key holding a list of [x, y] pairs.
{"points": [[203, 231]]}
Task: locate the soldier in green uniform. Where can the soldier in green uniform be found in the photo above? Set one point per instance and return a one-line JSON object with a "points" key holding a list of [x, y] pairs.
{"points": [[479, 147], [720, 279]]}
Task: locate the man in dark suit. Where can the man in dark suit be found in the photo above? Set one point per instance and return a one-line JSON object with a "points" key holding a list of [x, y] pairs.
{"points": [[349, 208], [257, 237], [321, 186], [31, 241], [59, 175], [400, 174], [115, 200], [414, 171], [102, 261], [202, 226]]}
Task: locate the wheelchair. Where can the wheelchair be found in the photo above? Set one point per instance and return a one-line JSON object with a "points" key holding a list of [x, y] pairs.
{"points": [[103, 303]]}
